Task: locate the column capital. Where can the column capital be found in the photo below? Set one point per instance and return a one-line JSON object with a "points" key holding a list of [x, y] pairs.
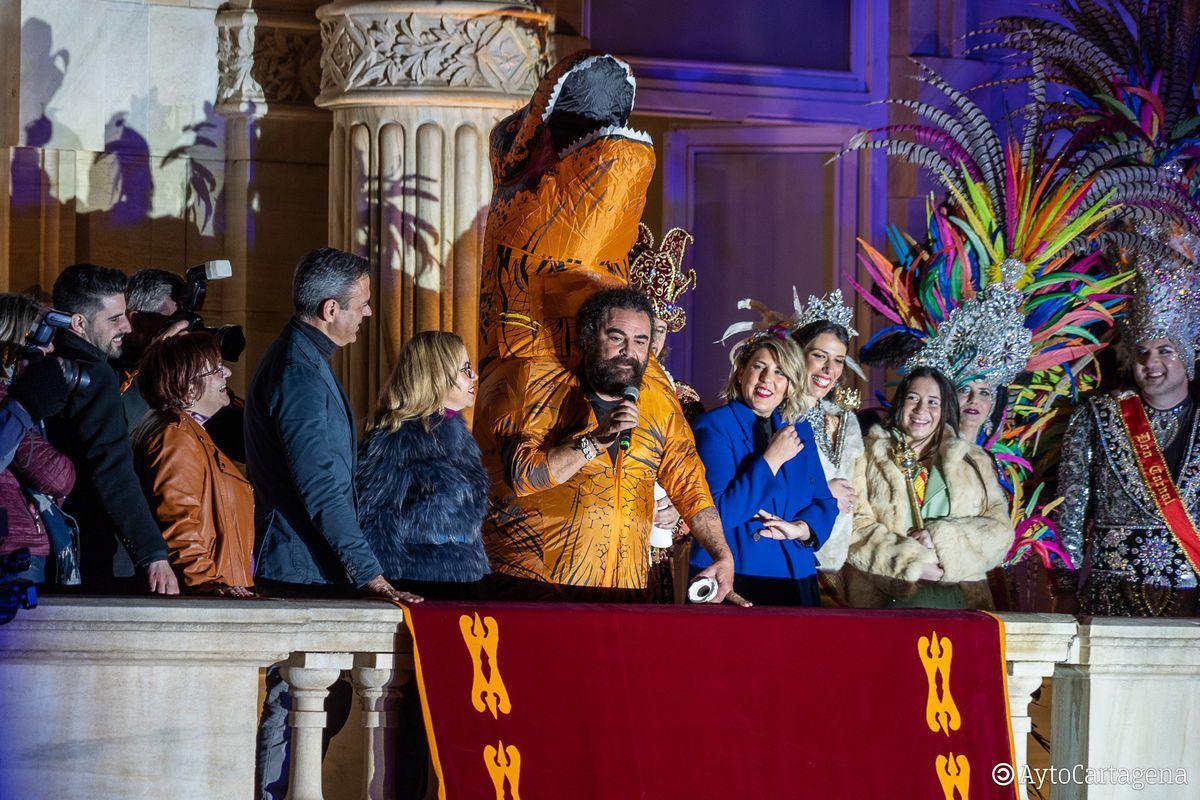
{"points": [[269, 61], [473, 53]]}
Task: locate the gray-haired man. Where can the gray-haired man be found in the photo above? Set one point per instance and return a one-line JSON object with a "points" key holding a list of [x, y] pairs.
{"points": [[301, 452]]}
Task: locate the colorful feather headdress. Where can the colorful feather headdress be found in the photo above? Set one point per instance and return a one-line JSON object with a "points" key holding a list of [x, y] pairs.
{"points": [[1128, 67]]}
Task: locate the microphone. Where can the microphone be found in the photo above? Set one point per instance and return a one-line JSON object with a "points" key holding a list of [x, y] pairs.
{"points": [[630, 393]]}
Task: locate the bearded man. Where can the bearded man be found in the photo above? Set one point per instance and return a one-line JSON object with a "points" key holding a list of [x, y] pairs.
{"points": [[1130, 466], [572, 499]]}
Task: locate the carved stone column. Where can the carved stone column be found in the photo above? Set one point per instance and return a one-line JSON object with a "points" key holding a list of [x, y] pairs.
{"points": [[415, 88], [276, 145]]}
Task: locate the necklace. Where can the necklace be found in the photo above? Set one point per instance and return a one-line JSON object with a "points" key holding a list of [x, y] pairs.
{"points": [[816, 419], [1165, 422]]}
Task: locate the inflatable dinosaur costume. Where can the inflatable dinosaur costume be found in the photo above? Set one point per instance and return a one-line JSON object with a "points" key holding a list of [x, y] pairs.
{"points": [[570, 186]]}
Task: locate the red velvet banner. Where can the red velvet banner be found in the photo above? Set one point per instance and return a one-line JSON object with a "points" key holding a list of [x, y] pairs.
{"points": [[553, 701]]}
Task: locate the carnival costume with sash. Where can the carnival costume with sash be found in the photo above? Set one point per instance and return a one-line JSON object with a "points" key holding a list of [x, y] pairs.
{"points": [[1130, 473]]}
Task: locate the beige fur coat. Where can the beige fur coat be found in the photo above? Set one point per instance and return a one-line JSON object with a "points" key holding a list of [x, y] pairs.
{"points": [[885, 562]]}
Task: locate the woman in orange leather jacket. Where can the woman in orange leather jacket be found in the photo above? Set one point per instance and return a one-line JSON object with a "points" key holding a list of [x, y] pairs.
{"points": [[202, 502]]}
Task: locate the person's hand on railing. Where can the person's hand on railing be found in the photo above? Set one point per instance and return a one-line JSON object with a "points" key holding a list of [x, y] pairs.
{"points": [[161, 578], [240, 592], [379, 587]]}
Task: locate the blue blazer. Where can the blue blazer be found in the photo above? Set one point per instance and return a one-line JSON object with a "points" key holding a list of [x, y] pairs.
{"points": [[741, 483], [301, 453]]}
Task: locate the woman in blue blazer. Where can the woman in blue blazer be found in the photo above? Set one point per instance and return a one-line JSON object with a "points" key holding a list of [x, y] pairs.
{"points": [[765, 476]]}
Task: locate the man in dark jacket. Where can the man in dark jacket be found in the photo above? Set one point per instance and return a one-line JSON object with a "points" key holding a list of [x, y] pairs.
{"points": [[119, 534], [301, 452], [301, 446]]}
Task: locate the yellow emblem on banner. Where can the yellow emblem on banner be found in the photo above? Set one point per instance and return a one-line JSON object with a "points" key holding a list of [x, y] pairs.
{"points": [[487, 687], [941, 714], [504, 765], [954, 773]]}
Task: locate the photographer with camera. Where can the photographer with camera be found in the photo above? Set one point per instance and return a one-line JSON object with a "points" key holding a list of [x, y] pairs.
{"points": [[34, 475], [120, 535], [160, 304], [151, 299]]}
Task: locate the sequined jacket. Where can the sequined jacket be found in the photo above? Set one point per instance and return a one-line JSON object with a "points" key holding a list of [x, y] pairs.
{"points": [[1108, 519]]}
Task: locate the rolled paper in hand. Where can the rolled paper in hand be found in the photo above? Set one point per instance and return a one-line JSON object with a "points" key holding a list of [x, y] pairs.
{"points": [[702, 590]]}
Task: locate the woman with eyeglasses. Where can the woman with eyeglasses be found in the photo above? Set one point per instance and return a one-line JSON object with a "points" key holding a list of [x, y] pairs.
{"points": [[422, 487], [203, 503]]}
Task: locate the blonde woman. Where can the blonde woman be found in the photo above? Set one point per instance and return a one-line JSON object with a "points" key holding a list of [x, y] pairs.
{"points": [[422, 488], [765, 476]]}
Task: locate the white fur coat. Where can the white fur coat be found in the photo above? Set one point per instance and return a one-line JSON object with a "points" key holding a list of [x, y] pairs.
{"points": [[971, 540]]}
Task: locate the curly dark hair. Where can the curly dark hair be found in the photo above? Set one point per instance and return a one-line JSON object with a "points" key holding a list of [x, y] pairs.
{"points": [[592, 312], [171, 368]]}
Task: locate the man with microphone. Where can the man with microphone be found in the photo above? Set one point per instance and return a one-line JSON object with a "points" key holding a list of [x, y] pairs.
{"points": [[573, 469]]}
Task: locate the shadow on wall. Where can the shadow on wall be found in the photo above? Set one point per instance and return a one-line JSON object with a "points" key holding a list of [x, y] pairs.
{"points": [[69, 205], [423, 281]]}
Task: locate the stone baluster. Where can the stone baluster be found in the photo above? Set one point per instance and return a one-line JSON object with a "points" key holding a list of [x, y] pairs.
{"points": [[377, 679], [1033, 644], [309, 676], [415, 88]]}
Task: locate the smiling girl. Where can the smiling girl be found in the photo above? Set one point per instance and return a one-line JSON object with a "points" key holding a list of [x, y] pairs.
{"points": [[966, 528]]}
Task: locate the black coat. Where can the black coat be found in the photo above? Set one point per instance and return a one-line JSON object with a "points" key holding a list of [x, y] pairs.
{"points": [[422, 498], [300, 457], [117, 528]]}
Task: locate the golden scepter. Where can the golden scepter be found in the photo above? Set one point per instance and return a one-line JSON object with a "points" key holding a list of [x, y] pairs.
{"points": [[906, 459]]}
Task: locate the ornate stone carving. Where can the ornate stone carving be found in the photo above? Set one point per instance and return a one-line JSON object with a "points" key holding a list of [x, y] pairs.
{"points": [[492, 50], [267, 60]]}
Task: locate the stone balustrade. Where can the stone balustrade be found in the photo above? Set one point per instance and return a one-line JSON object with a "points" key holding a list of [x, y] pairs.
{"points": [[146, 698]]}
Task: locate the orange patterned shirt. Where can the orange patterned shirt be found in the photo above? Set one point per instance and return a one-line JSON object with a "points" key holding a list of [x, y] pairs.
{"points": [[593, 529]]}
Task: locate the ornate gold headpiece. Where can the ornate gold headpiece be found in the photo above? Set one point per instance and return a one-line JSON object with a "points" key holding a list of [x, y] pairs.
{"points": [[659, 274]]}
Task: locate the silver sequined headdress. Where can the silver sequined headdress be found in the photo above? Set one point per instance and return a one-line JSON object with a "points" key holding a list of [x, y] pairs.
{"points": [[830, 308], [1166, 296], [985, 338]]}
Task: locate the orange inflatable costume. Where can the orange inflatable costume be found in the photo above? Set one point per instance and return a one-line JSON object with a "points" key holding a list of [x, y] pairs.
{"points": [[570, 186]]}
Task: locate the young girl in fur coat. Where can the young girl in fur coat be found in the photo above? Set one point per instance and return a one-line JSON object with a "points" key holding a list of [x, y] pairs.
{"points": [[967, 529], [422, 489]]}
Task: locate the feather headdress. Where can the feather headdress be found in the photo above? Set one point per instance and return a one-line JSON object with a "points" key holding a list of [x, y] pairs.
{"points": [[829, 308], [1128, 68]]}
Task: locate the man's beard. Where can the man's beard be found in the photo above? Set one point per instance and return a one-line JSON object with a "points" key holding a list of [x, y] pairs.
{"points": [[610, 376]]}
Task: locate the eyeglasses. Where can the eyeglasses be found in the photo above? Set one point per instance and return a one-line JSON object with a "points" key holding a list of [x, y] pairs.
{"points": [[469, 371], [219, 368]]}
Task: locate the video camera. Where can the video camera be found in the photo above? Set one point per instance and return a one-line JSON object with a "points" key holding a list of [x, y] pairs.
{"points": [[230, 338], [41, 335]]}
